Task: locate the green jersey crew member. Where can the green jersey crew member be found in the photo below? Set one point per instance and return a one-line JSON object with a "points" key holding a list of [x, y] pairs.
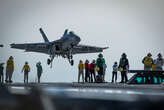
{"points": [[100, 63], [124, 65], [39, 70]]}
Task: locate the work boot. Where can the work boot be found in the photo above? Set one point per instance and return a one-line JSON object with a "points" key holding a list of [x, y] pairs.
{"points": [[10, 81], [6, 81]]}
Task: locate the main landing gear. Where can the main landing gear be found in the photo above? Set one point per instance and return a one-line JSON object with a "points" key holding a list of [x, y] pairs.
{"points": [[70, 59], [49, 61]]}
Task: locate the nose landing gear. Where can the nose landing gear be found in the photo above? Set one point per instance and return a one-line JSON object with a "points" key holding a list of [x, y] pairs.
{"points": [[70, 59], [72, 62], [48, 61]]}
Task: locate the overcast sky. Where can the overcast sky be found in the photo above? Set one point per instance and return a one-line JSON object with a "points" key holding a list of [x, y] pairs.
{"points": [[135, 27]]}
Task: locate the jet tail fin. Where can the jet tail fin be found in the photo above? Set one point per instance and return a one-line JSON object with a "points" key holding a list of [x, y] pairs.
{"points": [[65, 32], [43, 35]]}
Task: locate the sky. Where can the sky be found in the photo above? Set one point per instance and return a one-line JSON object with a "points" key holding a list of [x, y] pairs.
{"points": [[135, 27]]}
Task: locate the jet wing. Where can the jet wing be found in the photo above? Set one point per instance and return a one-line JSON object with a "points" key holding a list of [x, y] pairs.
{"points": [[32, 47], [80, 49]]}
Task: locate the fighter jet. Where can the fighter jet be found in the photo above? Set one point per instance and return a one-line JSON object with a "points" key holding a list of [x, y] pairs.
{"points": [[67, 46], [1, 45]]}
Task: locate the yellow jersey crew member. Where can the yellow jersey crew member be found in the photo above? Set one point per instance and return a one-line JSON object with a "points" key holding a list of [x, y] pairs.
{"points": [[9, 69], [81, 68], [26, 69], [148, 62]]}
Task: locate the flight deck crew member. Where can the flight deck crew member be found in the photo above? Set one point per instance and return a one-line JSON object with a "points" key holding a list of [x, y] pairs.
{"points": [[159, 62], [114, 73], [39, 70], [9, 69], [81, 68], [1, 73], [26, 69], [104, 71], [92, 70], [148, 63], [87, 71], [100, 63], [124, 65]]}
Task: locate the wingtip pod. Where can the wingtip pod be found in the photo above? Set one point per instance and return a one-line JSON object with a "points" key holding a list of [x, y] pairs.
{"points": [[40, 29], [105, 48], [1, 45], [12, 45]]}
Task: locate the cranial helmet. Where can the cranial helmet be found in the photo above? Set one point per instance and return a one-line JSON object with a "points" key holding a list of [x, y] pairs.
{"points": [[87, 61], [149, 54], [11, 57], [124, 55], [100, 55], [159, 55]]}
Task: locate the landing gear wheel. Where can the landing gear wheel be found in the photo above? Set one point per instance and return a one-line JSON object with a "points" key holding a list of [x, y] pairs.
{"points": [[48, 61], [72, 62]]}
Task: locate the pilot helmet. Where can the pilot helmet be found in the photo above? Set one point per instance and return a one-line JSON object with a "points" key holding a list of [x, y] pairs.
{"points": [[71, 32]]}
